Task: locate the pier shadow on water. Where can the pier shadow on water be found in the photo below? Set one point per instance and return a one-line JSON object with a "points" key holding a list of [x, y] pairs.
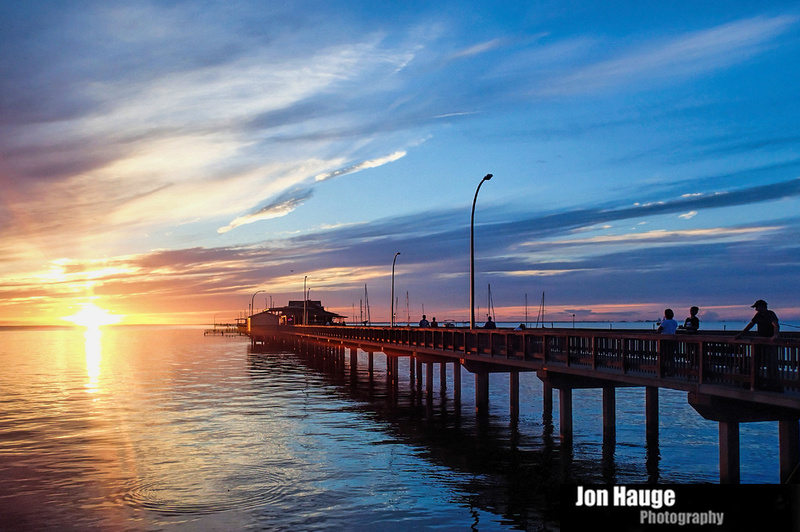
{"points": [[514, 469]]}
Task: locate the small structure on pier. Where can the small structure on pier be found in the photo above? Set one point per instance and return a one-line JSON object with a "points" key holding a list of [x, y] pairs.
{"points": [[293, 313], [264, 319]]}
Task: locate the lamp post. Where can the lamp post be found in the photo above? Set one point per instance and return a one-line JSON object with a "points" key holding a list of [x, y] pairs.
{"points": [[392, 310], [305, 298], [252, 301], [487, 177]]}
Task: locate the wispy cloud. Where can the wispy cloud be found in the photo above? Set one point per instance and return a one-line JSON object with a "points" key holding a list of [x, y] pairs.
{"points": [[699, 52], [478, 49], [282, 206], [372, 163]]}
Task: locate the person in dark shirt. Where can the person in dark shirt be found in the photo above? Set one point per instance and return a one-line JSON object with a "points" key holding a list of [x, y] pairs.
{"points": [[765, 321], [489, 324], [692, 323], [766, 356]]}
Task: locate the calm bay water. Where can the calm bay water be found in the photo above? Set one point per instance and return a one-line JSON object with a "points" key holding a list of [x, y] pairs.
{"points": [[154, 428]]}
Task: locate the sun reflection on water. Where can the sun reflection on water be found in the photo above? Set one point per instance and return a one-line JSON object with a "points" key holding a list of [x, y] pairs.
{"points": [[94, 354], [93, 318]]}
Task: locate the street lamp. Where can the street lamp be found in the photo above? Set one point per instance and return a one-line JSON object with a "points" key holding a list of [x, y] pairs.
{"points": [[252, 301], [393, 262], [487, 177], [305, 298]]}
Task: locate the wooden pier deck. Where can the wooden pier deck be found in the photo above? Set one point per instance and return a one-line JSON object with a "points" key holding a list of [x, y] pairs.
{"points": [[727, 380]]}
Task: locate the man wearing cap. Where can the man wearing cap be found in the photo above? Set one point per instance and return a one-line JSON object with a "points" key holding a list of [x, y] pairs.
{"points": [[768, 327], [765, 320]]}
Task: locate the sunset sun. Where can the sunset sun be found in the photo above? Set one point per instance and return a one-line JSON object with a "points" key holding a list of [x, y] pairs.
{"points": [[91, 315]]}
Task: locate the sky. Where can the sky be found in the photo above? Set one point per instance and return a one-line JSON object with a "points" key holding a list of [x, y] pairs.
{"points": [[174, 161]]}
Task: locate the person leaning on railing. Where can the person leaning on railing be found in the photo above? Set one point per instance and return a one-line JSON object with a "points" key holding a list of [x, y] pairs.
{"points": [[767, 326], [765, 321]]}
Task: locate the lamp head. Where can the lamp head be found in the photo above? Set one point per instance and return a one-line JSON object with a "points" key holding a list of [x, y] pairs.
{"points": [[488, 177]]}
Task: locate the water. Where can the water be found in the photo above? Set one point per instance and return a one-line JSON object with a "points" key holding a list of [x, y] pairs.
{"points": [[153, 428]]}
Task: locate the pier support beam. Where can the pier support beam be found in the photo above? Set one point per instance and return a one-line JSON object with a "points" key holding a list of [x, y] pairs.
{"points": [[651, 409], [729, 413], [609, 415], [565, 384], [513, 394], [789, 435], [547, 401], [457, 382], [565, 414], [429, 378], [482, 392], [729, 468]]}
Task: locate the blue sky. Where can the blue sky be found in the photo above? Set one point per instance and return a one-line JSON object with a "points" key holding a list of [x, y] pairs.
{"points": [[165, 160]]}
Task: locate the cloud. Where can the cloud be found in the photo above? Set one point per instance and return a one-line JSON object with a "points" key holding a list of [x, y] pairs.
{"points": [[698, 52], [478, 49], [373, 163], [282, 206]]}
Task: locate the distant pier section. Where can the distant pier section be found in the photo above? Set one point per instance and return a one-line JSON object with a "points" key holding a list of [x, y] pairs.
{"points": [[228, 329]]}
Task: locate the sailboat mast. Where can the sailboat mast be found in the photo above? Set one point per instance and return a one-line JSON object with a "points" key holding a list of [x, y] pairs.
{"points": [[526, 311], [366, 299]]}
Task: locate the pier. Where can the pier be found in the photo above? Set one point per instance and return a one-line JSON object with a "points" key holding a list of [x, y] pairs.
{"points": [[728, 381], [224, 329]]}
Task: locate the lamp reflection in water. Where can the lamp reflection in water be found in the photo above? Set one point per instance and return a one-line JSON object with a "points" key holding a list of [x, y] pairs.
{"points": [[92, 318]]}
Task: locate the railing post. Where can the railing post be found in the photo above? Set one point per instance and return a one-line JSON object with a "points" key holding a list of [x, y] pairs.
{"points": [[545, 348], [701, 362], [567, 346], [659, 357], [624, 355]]}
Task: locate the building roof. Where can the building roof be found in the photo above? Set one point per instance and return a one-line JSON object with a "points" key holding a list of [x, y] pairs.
{"points": [[316, 312]]}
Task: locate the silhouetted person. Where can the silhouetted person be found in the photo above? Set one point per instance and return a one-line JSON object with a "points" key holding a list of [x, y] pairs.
{"points": [[766, 356], [521, 327], [489, 324], [692, 323], [434, 323], [668, 325], [668, 347], [424, 322], [765, 321]]}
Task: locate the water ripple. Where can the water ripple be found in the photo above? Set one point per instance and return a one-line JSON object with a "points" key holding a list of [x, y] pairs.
{"points": [[177, 495]]}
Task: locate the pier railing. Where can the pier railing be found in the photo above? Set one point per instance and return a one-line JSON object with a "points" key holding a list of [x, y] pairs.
{"points": [[684, 360]]}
